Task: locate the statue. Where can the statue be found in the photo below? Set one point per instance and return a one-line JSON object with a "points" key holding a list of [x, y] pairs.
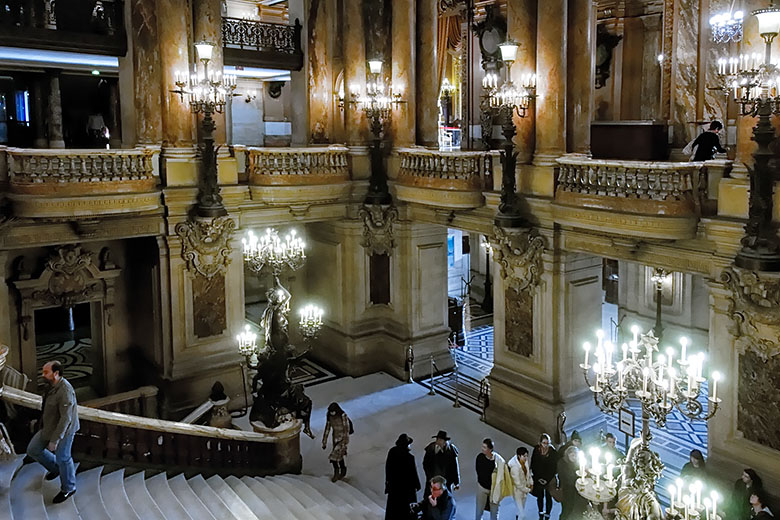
{"points": [[275, 396], [641, 470]]}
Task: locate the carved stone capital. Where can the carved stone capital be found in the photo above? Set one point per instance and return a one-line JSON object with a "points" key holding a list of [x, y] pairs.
{"points": [[206, 244], [519, 252], [754, 309], [378, 222]]}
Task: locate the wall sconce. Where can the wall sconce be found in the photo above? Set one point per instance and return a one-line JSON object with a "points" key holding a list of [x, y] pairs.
{"points": [[250, 96]]}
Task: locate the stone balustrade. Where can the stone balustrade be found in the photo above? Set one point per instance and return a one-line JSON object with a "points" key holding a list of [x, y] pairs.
{"points": [[297, 166], [444, 170]]}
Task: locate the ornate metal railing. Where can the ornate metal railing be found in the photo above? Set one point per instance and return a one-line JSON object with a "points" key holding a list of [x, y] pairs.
{"points": [[449, 170], [127, 440], [261, 36], [30, 167], [320, 165]]}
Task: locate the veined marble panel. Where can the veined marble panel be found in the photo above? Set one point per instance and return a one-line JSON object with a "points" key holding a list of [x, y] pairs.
{"points": [[685, 73]]}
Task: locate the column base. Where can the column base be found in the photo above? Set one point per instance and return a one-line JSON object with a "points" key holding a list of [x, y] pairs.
{"points": [[41, 142], [758, 259], [180, 166], [56, 143], [546, 159], [510, 220]]}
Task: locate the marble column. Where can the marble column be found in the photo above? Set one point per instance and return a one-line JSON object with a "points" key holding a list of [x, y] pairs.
{"points": [[427, 81], [354, 52], [651, 69], [551, 82], [403, 70], [580, 71], [147, 72], [173, 23], [321, 23], [114, 120], [299, 82], [521, 21], [54, 115], [207, 26], [39, 113]]}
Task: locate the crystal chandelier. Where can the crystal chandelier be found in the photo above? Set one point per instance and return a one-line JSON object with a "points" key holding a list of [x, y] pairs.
{"points": [[271, 252], [596, 482], [691, 505], [311, 321], [727, 27]]}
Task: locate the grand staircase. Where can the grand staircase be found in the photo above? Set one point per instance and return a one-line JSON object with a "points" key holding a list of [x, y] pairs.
{"points": [[26, 495]]}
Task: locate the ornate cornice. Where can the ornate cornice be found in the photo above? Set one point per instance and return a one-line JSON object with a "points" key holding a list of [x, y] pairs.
{"points": [[378, 222], [754, 309], [519, 252], [206, 244]]}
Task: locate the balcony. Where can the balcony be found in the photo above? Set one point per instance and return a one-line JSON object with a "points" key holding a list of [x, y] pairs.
{"points": [[449, 179], [298, 175], [262, 44], [45, 183], [661, 200]]}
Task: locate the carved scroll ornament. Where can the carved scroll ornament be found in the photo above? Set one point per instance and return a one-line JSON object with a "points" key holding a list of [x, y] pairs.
{"points": [[754, 308], [519, 253], [70, 277], [206, 244], [378, 228]]}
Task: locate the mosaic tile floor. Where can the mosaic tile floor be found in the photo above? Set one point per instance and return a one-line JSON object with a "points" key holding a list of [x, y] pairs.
{"points": [[73, 354]]}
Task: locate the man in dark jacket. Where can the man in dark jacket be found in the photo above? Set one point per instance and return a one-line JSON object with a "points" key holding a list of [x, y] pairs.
{"points": [[401, 480], [440, 504], [708, 143], [441, 459]]}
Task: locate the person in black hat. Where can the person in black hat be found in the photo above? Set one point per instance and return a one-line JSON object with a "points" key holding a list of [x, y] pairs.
{"points": [[441, 459], [401, 480], [575, 440]]}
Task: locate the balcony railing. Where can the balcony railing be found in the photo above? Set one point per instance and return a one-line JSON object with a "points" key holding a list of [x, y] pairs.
{"points": [[444, 170], [297, 166], [251, 42]]}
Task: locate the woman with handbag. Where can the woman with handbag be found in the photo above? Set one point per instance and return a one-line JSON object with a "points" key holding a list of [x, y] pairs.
{"points": [[543, 466]]}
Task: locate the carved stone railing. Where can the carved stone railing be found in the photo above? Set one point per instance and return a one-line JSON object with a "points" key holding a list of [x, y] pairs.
{"points": [[141, 401], [297, 166], [73, 172], [444, 170], [115, 438], [663, 188]]}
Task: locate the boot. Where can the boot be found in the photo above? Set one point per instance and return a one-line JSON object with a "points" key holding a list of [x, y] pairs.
{"points": [[342, 470], [336, 472]]}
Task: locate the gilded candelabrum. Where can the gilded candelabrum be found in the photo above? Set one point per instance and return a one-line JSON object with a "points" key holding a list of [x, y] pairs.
{"points": [[596, 481]]}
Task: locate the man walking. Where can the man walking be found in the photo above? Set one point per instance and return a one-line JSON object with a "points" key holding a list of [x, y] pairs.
{"points": [[51, 445], [441, 459]]}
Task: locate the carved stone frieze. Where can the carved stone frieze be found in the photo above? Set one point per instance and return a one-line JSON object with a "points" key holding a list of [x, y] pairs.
{"points": [[519, 253], [754, 308], [378, 222], [69, 280], [206, 244]]}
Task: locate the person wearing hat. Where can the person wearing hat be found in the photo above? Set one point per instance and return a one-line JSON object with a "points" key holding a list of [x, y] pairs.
{"points": [[441, 459], [575, 440], [401, 480]]}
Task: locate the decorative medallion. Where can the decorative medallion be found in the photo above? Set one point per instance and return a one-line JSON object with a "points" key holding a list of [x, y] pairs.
{"points": [[70, 279], [206, 244], [519, 252], [378, 228], [754, 308]]}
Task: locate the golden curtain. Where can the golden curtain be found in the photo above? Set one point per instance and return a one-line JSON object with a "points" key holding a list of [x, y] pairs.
{"points": [[448, 38]]}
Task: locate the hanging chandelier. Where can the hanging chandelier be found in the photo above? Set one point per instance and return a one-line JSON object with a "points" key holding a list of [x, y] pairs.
{"points": [[727, 27], [271, 252]]}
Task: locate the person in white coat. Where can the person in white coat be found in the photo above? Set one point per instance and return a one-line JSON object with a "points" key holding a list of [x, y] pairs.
{"points": [[522, 481]]}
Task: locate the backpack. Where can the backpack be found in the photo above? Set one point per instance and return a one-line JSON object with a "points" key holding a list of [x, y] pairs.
{"points": [[351, 428]]}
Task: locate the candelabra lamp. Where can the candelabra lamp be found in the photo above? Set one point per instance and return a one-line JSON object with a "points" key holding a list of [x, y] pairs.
{"points": [[686, 502], [596, 481], [377, 102], [487, 301], [660, 279], [504, 101], [755, 87], [207, 92]]}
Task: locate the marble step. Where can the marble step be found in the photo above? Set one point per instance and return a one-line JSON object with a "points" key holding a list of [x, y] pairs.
{"points": [[112, 487], [7, 470], [268, 498], [322, 506], [187, 497], [66, 510], [26, 496], [239, 509], [253, 502], [140, 499], [88, 498], [345, 493], [288, 499], [162, 495], [210, 499]]}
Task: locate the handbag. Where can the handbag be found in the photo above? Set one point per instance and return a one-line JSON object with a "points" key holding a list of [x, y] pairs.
{"points": [[537, 489]]}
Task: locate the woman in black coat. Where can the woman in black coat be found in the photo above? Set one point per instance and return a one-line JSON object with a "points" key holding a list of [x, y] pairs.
{"points": [[739, 505], [573, 505], [401, 480], [543, 467]]}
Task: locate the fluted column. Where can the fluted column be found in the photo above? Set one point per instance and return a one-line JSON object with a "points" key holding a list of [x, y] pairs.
{"points": [[427, 84], [551, 81], [354, 70], [521, 21], [39, 113], [403, 70], [580, 71], [54, 115], [175, 48], [147, 72], [207, 26]]}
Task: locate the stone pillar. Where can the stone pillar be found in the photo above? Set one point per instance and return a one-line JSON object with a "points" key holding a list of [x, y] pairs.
{"points": [[403, 70], [354, 53], [551, 82], [320, 24], [207, 26], [39, 113], [54, 116], [299, 81], [427, 81], [651, 69], [175, 47], [580, 71], [114, 119], [521, 21], [147, 72]]}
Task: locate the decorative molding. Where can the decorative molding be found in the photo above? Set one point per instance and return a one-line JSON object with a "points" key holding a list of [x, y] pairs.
{"points": [[519, 252], [378, 222], [754, 308], [70, 277], [206, 244]]}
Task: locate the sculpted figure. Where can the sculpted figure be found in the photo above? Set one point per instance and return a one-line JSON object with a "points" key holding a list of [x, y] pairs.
{"points": [[636, 496]]}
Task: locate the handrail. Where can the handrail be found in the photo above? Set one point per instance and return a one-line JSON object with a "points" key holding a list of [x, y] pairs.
{"points": [[454, 170], [279, 165], [261, 36]]}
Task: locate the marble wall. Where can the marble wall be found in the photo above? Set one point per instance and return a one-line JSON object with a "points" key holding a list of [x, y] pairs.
{"points": [[759, 385], [686, 63], [321, 25]]}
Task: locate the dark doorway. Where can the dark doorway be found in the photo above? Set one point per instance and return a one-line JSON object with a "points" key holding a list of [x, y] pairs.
{"points": [[65, 335]]}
